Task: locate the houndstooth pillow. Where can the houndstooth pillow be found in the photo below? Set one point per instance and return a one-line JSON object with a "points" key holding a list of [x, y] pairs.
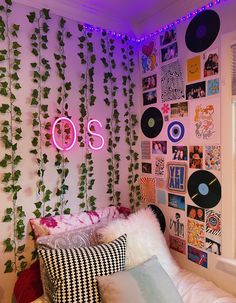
{"points": [[73, 271]]}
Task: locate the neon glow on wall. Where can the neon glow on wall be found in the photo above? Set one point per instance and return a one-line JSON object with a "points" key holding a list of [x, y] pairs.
{"points": [[74, 134]]}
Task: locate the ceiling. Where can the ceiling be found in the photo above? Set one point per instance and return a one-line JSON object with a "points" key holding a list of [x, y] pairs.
{"points": [[134, 11]]}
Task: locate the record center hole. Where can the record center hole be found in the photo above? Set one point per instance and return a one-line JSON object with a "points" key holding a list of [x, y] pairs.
{"points": [[201, 31], [203, 189], [151, 122]]}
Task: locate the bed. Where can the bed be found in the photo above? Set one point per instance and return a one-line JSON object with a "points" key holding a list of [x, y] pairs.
{"points": [[144, 246]]}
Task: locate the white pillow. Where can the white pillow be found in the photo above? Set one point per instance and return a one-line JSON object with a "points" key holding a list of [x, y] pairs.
{"points": [[144, 239]]}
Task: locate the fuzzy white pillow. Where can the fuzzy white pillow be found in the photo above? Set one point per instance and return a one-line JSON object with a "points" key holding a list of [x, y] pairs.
{"points": [[144, 239]]}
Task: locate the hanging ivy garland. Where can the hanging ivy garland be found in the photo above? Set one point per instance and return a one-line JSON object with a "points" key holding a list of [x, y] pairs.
{"points": [[131, 122], [41, 126], [61, 161], [10, 136], [113, 122], [87, 100]]}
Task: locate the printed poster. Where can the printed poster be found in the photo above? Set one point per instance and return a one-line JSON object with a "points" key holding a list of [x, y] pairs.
{"points": [[194, 69], [149, 56], [196, 233]]}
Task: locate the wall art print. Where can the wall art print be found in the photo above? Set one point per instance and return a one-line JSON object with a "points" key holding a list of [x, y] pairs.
{"points": [[172, 83], [161, 183], [196, 90], [149, 82], [213, 222], [146, 168], [177, 225], [213, 246], [213, 157], [160, 166], [213, 87], [211, 63], [159, 147], [194, 69], [176, 201], [179, 110], [177, 244], [148, 190], [169, 52], [196, 233], [149, 56], [177, 173], [150, 97], [146, 150], [196, 157], [179, 153], [161, 196], [196, 213], [168, 36], [197, 256], [204, 121]]}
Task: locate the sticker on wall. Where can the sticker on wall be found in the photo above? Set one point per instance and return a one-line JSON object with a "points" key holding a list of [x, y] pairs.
{"points": [[194, 69], [197, 256], [196, 157], [196, 233], [146, 150], [213, 223], [175, 131], [196, 213], [213, 87], [166, 118], [161, 183], [176, 180], [165, 109], [151, 122], [148, 190], [177, 225], [177, 244], [196, 90], [146, 168], [150, 97], [211, 63], [149, 57], [213, 157], [161, 196], [172, 83], [159, 147], [168, 36], [159, 215], [179, 110], [204, 189], [149, 82], [176, 201], [202, 31], [204, 121], [213, 247], [160, 166], [179, 153], [169, 52]]}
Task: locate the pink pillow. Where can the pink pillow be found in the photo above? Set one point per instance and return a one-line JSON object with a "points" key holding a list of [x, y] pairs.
{"points": [[58, 224]]}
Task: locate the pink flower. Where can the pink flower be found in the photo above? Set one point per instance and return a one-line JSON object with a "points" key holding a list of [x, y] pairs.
{"points": [[48, 221]]}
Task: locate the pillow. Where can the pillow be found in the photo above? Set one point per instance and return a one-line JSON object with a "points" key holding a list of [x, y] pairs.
{"points": [[80, 237], [58, 224], [144, 239], [73, 271], [147, 283]]}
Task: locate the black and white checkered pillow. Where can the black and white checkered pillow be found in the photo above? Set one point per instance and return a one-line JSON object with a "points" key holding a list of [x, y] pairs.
{"points": [[73, 271]]}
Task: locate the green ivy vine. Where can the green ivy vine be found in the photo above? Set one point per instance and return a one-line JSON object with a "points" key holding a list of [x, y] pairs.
{"points": [[87, 100], [131, 122], [11, 134], [113, 122], [41, 125], [61, 160]]}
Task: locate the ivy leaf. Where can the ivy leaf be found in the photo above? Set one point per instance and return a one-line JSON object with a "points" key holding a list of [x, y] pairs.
{"points": [[8, 244], [82, 39], [45, 27], [68, 34], [17, 86], [68, 86], [46, 13], [8, 266], [4, 108], [15, 45], [6, 177], [3, 92], [17, 160], [31, 17], [46, 92]]}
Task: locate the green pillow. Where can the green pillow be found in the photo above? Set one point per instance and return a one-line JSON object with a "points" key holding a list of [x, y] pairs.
{"points": [[145, 283]]}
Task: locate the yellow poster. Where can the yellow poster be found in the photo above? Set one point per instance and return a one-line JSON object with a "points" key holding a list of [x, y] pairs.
{"points": [[194, 69]]}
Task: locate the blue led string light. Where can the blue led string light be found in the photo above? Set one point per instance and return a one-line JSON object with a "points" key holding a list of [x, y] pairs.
{"points": [[159, 31]]}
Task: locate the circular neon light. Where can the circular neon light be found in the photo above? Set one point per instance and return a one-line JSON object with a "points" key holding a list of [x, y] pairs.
{"points": [[53, 133]]}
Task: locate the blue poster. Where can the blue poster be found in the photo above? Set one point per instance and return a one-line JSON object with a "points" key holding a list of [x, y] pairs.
{"points": [[177, 177]]}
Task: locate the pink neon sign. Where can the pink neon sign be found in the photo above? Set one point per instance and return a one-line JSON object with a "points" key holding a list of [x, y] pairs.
{"points": [[61, 119]]}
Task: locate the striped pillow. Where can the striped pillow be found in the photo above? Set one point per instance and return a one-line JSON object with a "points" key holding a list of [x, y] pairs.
{"points": [[73, 271]]}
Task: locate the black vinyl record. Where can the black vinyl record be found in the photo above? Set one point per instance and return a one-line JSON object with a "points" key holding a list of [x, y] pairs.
{"points": [[159, 215], [202, 31], [151, 122], [204, 189]]}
